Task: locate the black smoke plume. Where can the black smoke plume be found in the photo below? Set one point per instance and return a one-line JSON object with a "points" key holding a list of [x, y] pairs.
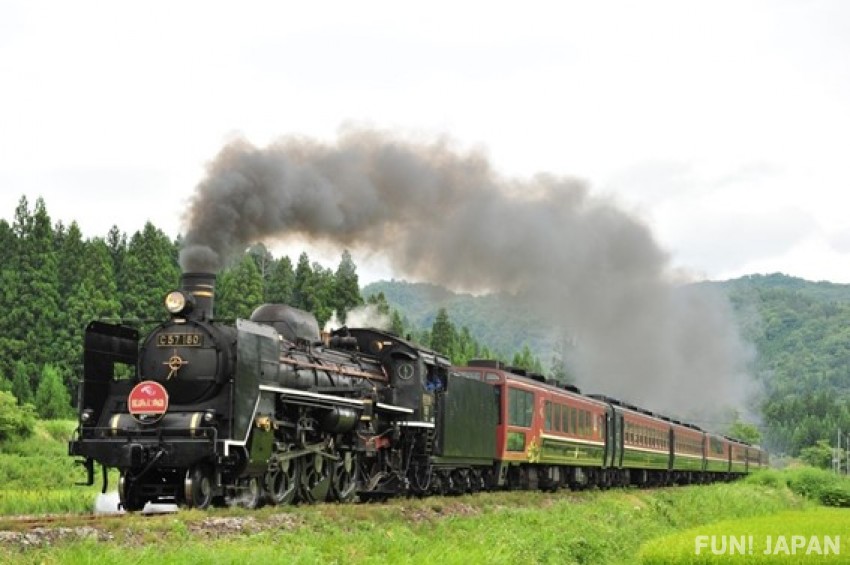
{"points": [[447, 217]]}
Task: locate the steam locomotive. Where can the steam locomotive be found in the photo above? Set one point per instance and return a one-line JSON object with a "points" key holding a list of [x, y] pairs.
{"points": [[201, 412]]}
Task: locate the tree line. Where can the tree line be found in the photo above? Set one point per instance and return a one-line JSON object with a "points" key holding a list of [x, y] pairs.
{"points": [[53, 281]]}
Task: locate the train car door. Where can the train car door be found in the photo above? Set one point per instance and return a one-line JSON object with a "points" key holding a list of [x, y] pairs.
{"points": [[671, 443], [609, 454], [618, 437]]}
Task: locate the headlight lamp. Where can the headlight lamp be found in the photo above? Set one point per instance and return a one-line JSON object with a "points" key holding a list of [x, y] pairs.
{"points": [[176, 302]]}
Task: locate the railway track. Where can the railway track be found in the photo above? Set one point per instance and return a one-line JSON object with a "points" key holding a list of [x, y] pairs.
{"points": [[33, 522]]}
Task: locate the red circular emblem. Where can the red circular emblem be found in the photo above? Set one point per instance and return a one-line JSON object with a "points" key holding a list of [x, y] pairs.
{"points": [[148, 401]]}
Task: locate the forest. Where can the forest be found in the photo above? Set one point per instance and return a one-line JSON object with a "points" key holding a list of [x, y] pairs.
{"points": [[53, 281]]}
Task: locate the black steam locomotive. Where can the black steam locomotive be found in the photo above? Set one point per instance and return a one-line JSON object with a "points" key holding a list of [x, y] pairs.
{"points": [[268, 410]]}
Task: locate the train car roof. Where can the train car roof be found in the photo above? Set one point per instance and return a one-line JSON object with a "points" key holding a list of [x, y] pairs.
{"points": [[486, 365]]}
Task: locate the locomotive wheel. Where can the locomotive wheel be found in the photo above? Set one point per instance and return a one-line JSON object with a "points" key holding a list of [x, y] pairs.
{"points": [[315, 478], [128, 495], [343, 487], [198, 487], [282, 483], [251, 494]]}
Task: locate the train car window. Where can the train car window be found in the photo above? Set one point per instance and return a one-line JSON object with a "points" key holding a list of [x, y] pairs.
{"points": [[548, 411], [521, 407], [716, 446], [498, 395], [565, 418]]}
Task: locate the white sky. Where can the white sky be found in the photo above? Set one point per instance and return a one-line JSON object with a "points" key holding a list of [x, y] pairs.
{"points": [[723, 124]]}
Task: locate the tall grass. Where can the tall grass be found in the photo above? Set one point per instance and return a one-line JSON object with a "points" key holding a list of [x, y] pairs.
{"points": [[38, 476]]}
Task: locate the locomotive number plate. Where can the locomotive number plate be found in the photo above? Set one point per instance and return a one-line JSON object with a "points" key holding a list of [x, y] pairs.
{"points": [[180, 340]]}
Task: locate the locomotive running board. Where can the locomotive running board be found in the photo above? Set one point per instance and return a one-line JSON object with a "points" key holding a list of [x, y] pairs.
{"points": [[315, 397], [393, 408]]}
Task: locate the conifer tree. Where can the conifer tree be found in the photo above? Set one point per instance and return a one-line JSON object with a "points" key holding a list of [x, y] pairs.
{"points": [[379, 301], [346, 291], [264, 261], [398, 326], [525, 359], [149, 271], [321, 300], [67, 339], [11, 343], [240, 290], [443, 335], [38, 297], [70, 257], [282, 283], [466, 348], [22, 381], [52, 400], [303, 290], [116, 240], [94, 296]]}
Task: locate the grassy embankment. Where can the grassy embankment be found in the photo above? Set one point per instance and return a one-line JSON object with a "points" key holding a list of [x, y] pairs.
{"points": [[811, 535], [566, 527], [38, 476]]}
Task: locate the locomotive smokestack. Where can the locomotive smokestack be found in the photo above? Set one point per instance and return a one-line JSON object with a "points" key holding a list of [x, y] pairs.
{"points": [[202, 287]]}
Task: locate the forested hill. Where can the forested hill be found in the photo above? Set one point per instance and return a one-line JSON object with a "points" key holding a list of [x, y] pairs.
{"points": [[800, 329], [495, 320]]}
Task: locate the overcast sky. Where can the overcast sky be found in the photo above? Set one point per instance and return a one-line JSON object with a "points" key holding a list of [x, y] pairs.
{"points": [[723, 125]]}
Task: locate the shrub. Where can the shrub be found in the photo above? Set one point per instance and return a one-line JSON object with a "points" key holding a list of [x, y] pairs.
{"points": [[837, 494], [822, 486], [15, 421]]}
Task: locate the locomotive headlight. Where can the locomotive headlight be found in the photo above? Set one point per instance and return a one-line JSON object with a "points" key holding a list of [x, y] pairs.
{"points": [[176, 302], [209, 416], [86, 415]]}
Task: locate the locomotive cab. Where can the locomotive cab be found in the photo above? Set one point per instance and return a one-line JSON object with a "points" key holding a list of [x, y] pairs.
{"points": [[415, 374]]}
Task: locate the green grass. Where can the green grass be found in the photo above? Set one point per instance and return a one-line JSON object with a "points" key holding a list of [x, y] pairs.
{"points": [[786, 537], [38, 476], [819, 485], [587, 527]]}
